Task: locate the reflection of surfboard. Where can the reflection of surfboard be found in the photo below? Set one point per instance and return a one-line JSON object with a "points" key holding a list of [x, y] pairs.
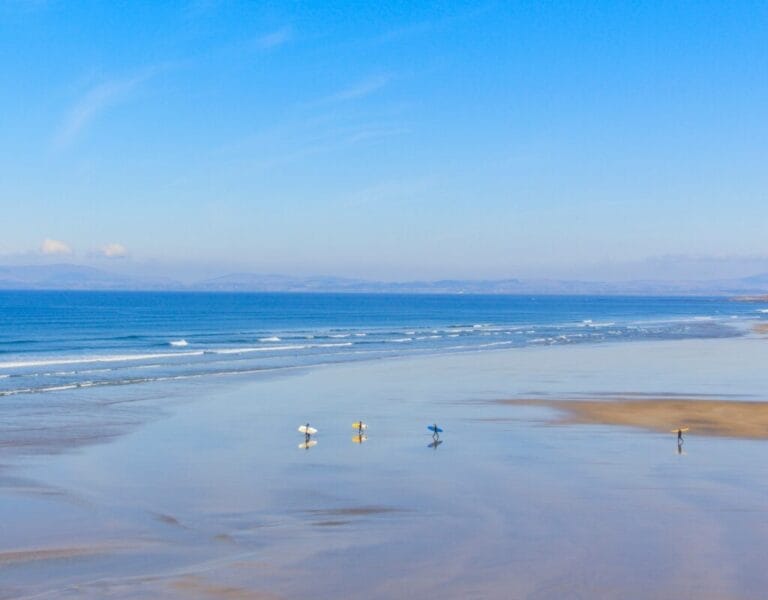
{"points": [[359, 439], [359, 425], [683, 429], [434, 429], [308, 445], [435, 444], [310, 430]]}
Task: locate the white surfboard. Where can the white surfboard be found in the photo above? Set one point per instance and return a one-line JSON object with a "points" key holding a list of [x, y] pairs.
{"points": [[307, 430]]}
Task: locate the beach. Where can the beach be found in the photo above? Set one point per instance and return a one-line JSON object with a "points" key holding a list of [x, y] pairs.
{"points": [[557, 476]]}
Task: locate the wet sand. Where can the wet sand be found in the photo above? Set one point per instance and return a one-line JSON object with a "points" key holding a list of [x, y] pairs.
{"points": [[41, 554], [704, 417], [200, 491]]}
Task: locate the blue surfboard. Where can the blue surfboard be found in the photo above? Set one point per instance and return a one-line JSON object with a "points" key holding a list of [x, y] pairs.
{"points": [[434, 429]]}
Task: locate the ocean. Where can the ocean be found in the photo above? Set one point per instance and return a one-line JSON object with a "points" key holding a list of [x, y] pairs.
{"points": [[54, 341]]}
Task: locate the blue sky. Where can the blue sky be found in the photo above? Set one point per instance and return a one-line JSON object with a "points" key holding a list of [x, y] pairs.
{"points": [[390, 140]]}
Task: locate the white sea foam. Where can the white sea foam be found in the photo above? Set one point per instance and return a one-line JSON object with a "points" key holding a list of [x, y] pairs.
{"points": [[494, 344], [94, 359], [272, 338], [400, 340], [179, 343], [260, 349], [762, 310], [58, 388], [339, 335], [274, 348]]}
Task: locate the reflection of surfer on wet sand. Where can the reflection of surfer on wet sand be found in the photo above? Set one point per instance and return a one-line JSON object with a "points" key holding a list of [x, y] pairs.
{"points": [[436, 431], [308, 433], [359, 437]]}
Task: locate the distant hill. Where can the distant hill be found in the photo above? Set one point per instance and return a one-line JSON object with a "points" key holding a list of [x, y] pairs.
{"points": [[251, 282], [76, 277], [277, 283], [73, 277]]}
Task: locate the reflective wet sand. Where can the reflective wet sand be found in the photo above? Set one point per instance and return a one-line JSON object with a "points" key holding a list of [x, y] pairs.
{"points": [[200, 490]]}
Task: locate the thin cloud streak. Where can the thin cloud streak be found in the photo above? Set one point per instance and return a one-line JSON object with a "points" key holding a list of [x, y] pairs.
{"points": [[361, 89], [428, 26], [275, 38], [96, 101]]}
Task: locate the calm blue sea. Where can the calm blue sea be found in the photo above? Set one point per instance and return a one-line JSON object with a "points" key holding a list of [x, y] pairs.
{"points": [[51, 341]]}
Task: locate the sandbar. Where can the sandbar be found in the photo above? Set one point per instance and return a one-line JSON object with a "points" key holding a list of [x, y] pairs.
{"points": [[723, 418]]}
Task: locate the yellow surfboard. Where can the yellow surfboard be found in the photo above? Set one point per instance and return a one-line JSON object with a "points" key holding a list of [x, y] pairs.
{"points": [[359, 425], [683, 429]]}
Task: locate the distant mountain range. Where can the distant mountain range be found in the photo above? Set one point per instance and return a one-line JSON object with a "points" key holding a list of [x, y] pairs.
{"points": [[77, 277]]}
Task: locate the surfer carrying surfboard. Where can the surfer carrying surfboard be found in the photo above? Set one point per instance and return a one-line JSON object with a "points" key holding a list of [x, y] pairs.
{"points": [[308, 433]]}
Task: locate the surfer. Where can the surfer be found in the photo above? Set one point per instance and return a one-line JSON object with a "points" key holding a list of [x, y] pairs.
{"points": [[680, 431], [308, 433]]}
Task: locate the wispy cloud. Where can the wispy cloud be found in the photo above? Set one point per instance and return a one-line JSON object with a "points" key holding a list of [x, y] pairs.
{"points": [[436, 24], [51, 247], [392, 192], [97, 100], [274, 39], [361, 89]]}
